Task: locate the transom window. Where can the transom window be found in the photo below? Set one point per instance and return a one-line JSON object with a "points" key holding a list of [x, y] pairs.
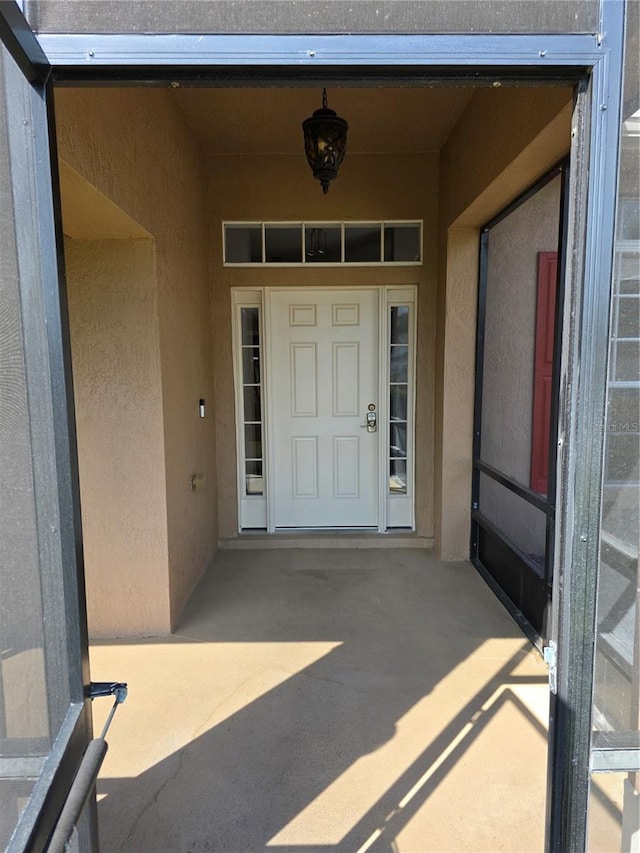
{"points": [[328, 243]]}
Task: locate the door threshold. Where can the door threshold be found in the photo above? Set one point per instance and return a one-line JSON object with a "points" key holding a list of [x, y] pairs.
{"points": [[325, 530], [314, 538]]}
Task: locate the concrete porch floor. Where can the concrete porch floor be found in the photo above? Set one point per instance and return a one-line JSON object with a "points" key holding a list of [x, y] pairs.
{"points": [[320, 701]]}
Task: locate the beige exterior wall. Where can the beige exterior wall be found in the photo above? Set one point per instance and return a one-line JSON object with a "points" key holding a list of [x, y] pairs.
{"points": [[503, 142], [116, 372], [133, 148], [282, 188]]}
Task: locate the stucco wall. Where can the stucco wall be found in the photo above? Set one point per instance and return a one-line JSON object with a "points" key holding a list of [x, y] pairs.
{"points": [[487, 145], [503, 142], [134, 148], [282, 188], [116, 371]]}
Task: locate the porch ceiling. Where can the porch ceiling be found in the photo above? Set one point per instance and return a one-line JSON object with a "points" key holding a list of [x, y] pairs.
{"points": [[267, 120]]}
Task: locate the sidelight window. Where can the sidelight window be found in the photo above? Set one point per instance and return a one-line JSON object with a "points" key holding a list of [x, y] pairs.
{"points": [[252, 399], [399, 452], [248, 361], [398, 393]]}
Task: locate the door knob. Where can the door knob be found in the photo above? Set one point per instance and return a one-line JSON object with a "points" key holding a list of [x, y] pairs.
{"points": [[372, 421]]}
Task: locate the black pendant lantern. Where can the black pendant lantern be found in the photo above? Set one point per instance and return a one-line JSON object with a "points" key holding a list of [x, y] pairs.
{"points": [[325, 140]]}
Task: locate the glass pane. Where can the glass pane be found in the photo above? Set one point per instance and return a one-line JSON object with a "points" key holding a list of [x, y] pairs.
{"points": [[400, 324], [322, 244], [252, 403], [515, 383], [398, 476], [14, 795], [623, 414], [520, 521], [627, 361], [362, 243], [402, 242], [628, 317], [398, 401], [24, 715], [613, 678], [622, 454], [283, 244], [253, 441], [614, 809], [251, 366], [254, 484], [38, 649], [614, 813], [629, 271], [399, 363], [629, 213], [243, 244], [398, 440], [250, 320]]}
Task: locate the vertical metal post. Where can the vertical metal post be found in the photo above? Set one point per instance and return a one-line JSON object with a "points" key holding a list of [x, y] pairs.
{"points": [[45, 340], [477, 404], [581, 435], [555, 386]]}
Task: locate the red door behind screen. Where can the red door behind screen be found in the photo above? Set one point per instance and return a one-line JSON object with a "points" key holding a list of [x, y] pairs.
{"points": [[545, 324]]}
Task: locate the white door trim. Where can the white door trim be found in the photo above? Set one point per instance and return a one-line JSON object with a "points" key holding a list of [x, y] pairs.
{"points": [[393, 510], [383, 410]]}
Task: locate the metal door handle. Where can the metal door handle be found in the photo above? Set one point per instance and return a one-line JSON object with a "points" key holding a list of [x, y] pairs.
{"points": [[372, 422]]}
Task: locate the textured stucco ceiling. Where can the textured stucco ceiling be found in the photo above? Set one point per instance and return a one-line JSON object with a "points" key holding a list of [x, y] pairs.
{"points": [[268, 120]]}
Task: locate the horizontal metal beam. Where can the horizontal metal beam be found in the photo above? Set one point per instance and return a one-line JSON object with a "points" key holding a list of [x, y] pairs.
{"points": [[615, 761], [522, 491], [89, 50], [23, 767], [615, 752]]}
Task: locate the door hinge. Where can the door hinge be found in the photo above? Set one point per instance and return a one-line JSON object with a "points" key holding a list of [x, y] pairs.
{"points": [[96, 689], [117, 689], [550, 653]]}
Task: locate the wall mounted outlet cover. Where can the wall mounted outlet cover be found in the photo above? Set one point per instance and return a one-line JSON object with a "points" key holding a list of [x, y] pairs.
{"points": [[198, 482]]}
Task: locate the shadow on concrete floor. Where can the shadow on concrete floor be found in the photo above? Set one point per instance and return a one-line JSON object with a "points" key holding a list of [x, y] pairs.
{"points": [[328, 701]]}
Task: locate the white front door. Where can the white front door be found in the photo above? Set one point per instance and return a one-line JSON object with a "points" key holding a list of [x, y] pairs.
{"points": [[324, 381]]}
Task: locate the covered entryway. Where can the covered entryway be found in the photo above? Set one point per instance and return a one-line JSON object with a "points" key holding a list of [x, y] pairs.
{"points": [[155, 306]]}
